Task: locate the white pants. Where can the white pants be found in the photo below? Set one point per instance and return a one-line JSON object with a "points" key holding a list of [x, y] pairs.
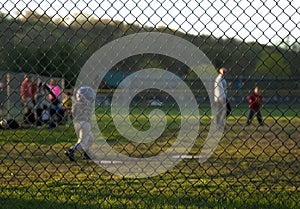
{"points": [[84, 134], [220, 108]]}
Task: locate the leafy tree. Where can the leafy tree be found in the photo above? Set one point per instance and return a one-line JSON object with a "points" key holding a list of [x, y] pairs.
{"points": [[37, 43], [272, 65], [59, 60], [21, 59]]}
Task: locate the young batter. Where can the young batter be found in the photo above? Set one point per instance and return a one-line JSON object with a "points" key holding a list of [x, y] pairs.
{"points": [[82, 111]]}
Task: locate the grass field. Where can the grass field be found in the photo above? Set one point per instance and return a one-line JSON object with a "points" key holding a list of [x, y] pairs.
{"points": [[253, 167]]}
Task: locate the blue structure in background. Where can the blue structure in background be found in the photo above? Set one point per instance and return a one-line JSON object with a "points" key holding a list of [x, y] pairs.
{"points": [[114, 78]]}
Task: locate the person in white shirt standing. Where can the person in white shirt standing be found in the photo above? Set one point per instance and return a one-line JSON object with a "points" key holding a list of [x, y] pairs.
{"points": [[220, 97]]}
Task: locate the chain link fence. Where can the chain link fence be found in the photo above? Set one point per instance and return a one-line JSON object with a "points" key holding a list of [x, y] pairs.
{"points": [[149, 140]]}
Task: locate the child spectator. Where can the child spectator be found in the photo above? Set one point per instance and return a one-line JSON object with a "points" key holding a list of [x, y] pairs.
{"points": [[56, 111], [40, 102], [67, 105], [45, 114]]}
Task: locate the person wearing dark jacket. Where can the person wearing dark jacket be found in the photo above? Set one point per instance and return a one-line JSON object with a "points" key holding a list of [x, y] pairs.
{"points": [[40, 102], [255, 103]]}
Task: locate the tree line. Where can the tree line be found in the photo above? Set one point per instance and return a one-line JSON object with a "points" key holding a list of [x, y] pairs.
{"points": [[37, 43]]}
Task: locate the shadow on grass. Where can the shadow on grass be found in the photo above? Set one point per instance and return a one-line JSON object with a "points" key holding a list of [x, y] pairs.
{"points": [[84, 197]]}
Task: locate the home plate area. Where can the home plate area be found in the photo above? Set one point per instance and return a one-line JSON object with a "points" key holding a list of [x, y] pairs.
{"points": [[175, 156]]}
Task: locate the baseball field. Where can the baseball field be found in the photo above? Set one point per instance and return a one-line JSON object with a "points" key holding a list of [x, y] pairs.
{"points": [[252, 167]]}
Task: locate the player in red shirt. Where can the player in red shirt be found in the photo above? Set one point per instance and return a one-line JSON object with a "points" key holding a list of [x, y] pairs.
{"points": [[255, 102]]}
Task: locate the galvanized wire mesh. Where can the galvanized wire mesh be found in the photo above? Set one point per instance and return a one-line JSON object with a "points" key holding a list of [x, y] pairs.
{"points": [[255, 163]]}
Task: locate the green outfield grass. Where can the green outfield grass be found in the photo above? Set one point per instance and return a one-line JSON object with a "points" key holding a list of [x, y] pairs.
{"points": [[253, 167]]}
